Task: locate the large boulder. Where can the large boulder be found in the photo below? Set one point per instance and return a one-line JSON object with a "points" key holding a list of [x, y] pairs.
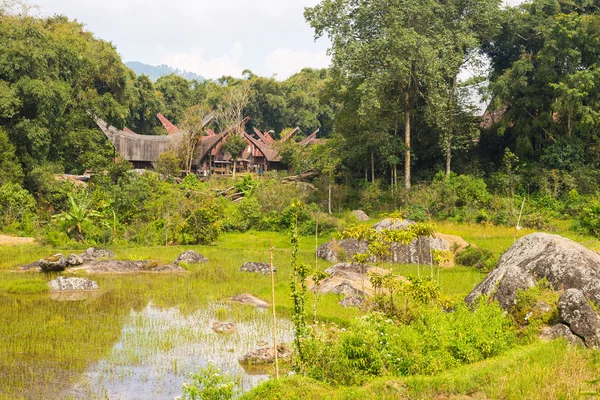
{"points": [[564, 263], [68, 284], [577, 313], [417, 252], [341, 250], [259, 267], [94, 253], [393, 224], [360, 215], [191, 257], [54, 263], [348, 279]]}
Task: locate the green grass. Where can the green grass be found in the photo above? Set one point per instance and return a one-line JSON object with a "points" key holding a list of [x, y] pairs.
{"points": [[45, 345], [551, 370]]}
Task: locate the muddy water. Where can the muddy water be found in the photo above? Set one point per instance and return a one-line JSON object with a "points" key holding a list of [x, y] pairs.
{"points": [[158, 348]]}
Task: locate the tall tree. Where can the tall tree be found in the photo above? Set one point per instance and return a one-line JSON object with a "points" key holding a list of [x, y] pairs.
{"points": [[545, 74], [390, 48]]}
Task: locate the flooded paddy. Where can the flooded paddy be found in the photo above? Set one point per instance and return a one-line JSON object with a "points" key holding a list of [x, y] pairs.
{"points": [[159, 347]]}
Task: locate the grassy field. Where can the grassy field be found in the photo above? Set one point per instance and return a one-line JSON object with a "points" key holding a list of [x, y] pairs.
{"points": [[46, 345]]}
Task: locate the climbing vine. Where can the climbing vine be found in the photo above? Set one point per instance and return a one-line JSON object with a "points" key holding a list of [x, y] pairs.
{"points": [[300, 272]]}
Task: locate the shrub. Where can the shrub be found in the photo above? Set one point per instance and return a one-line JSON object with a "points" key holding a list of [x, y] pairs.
{"points": [[434, 341], [17, 206], [589, 220], [476, 257], [209, 383]]}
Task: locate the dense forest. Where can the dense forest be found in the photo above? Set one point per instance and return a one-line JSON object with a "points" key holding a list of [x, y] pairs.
{"points": [[391, 100]]}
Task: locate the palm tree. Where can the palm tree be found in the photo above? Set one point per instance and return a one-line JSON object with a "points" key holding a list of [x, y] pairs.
{"points": [[76, 216]]}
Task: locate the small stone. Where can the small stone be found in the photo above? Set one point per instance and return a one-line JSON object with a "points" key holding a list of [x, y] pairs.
{"points": [[191, 257], [250, 300], [74, 260], [63, 283], [266, 355], [259, 267], [225, 328], [56, 262]]}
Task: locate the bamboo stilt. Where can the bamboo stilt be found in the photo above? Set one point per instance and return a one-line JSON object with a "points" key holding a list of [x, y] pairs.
{"points": [[274, 314]]}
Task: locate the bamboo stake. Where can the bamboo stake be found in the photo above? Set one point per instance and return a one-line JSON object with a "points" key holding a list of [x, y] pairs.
{"points": [[519, 221], [274, 314]]}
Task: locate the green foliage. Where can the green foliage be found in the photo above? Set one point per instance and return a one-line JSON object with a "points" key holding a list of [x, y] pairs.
{"points": [[17, 207], [535, 307], [74, 219], [210, 383], [168, 164], [10, 169], [434, 341], [476, 257]]}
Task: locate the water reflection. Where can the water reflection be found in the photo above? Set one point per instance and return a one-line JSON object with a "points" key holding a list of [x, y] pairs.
{"points": [[158, 348]]}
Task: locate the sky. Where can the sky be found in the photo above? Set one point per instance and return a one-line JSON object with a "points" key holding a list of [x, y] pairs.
{"points": [[209, 37]]}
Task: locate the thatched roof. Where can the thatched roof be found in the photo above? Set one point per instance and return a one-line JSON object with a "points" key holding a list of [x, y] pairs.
{"points": [[134, 147]]}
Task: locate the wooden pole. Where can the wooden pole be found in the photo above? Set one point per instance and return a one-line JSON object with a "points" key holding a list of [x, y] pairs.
{"points": [[519, 221], [274, 314]]}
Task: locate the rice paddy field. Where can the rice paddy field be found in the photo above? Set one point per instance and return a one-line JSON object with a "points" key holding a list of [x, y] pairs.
{"points": [[141, 334]]}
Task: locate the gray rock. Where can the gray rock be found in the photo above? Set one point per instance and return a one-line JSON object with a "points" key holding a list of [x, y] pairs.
{"points": [[560, 331], [66, 284], [56, 262], [74, 260], [352, 301], [224, 328], [34, 266], [360, 215], [266, 355], [249, 300], [392, 224], [341, 250], [191, 257], [417, 252], [564, 263], [349, 279], [259, 267], [94, 253], [125, 266], [577, 313]]}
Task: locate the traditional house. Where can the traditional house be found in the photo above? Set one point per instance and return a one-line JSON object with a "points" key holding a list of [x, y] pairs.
{"points": [[144, 150]]}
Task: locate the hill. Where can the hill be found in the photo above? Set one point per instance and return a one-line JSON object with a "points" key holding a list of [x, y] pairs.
{"points": [[156, 71]]}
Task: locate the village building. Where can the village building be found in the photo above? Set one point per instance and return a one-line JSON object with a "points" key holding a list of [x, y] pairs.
{"points": [[143, 151]]}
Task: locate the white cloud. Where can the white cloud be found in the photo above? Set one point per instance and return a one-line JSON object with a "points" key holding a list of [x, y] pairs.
{"points": [[286, 62], [210, 67]]}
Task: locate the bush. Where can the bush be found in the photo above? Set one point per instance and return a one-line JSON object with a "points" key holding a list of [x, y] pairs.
{"points": [[476, 257], [589, 219], [17, 207], [434, 341], [209, 383]]}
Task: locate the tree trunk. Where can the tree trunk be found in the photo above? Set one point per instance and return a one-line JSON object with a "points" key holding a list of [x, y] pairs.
{"points": [[329, 197], [407, 139], [234, 165], [448, 143], [372, 167]]}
